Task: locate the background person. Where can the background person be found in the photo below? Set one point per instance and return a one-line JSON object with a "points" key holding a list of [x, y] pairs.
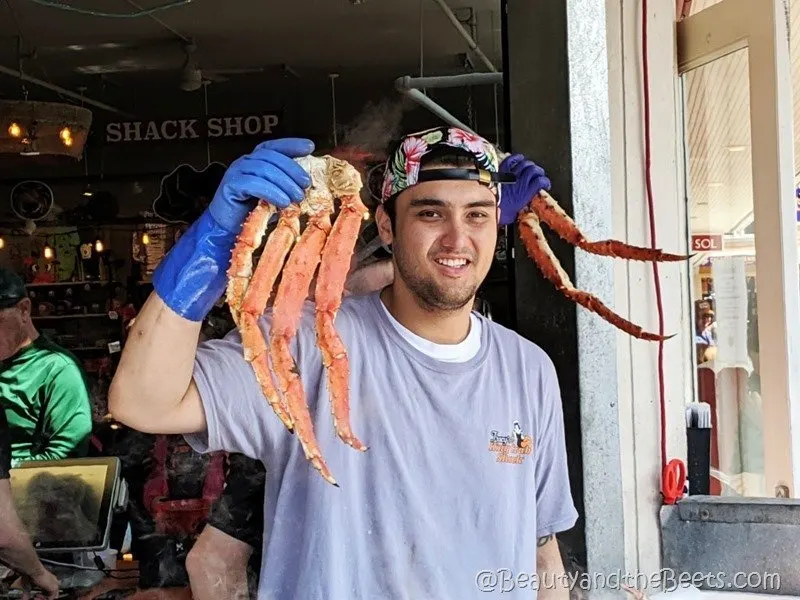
{"points": [[43, 390]]}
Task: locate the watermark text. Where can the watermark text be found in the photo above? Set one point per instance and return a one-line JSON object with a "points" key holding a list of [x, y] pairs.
{"points": [[665, 580]]}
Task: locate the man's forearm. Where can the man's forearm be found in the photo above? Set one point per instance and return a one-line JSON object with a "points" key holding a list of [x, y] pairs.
{"points": [[16, 550], [19, 556], [156, 366], [553, 582]]}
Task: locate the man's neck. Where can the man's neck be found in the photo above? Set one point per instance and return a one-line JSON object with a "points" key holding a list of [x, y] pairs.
{"points": [[30, 336], [437, 326]]}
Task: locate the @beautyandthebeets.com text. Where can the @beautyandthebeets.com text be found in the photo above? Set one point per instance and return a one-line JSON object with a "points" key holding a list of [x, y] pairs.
{"points": [[666, 580]]}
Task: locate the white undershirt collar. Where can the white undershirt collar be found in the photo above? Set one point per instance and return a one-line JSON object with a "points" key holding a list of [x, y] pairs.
{"points": [[461, 352]]}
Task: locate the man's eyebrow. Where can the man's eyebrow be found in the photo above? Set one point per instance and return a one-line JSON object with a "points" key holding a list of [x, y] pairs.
{"points": [[436, 202], [427, 202], [477, 203]]}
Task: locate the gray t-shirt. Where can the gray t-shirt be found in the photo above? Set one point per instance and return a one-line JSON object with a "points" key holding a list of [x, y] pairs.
{"points": [[466, 465]]}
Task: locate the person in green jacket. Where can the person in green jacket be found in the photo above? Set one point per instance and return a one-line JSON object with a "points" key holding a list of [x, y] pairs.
{"points": [[43, 390]]}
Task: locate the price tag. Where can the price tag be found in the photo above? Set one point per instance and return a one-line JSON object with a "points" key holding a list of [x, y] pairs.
{"points": [[114, 347]]}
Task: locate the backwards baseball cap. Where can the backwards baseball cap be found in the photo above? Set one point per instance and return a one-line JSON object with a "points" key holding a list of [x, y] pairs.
{"points": [[403, 166], [12, 288]]}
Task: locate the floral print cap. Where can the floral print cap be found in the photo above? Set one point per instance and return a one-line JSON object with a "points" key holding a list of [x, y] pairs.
{"points": [[402, 168]]}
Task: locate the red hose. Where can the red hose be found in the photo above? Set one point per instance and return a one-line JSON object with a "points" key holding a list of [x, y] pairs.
{"points": [[673, 474]]}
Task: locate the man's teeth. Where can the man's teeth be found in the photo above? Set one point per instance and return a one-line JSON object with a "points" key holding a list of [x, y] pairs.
{"points": [[452, 262]]}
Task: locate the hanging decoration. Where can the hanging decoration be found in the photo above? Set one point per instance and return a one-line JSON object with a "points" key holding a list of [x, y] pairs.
{"points": [[32, 128]]}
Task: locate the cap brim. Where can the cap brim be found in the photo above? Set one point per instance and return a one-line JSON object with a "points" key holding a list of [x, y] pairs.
{"points": [[9, 302], [480, 175]]}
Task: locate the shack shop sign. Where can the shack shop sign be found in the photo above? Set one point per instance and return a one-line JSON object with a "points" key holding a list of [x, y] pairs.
{"points": [[170, 130]]}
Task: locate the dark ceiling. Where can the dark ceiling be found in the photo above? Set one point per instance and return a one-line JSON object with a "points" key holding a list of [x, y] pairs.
{"points": [[123, 61]]}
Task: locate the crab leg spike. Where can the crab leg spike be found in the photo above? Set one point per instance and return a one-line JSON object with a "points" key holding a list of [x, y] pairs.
{"points": [[532, 237], [255, 301], [328, 298], [286, 314], [550, 213], [241, 266]]}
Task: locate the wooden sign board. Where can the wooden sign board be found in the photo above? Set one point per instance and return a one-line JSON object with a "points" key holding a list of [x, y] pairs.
{"points": [[262, 125]]}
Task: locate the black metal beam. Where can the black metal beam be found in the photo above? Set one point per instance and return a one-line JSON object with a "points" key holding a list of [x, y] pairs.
{"points": [[537, 122]]}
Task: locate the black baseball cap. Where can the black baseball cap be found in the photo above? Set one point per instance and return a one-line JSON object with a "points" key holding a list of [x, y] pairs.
{"points": [[12, 288]]}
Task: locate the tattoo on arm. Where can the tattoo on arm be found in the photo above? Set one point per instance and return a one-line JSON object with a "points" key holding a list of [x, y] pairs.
{"points": [[543, 540]]}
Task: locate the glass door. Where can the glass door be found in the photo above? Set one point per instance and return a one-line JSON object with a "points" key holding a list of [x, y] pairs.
{"points": [[735, 73]]}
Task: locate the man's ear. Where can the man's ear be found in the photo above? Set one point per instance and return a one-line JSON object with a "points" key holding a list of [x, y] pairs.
{"points": [[384, 225], [25, 306]]}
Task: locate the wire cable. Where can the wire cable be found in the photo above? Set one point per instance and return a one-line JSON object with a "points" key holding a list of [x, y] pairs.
{"points": [[673, 473], [95, 13]]}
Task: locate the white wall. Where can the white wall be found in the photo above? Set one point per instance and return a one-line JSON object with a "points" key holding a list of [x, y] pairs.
{"points": [[638, 400]]}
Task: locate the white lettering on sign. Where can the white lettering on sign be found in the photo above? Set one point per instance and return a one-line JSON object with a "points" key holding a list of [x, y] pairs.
{"points": [[707, 242], [190, 129]]}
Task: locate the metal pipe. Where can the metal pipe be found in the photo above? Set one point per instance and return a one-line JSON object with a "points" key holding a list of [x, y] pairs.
{"points": [[63, 91], [465, 34], [447, 81], [440, 112]]}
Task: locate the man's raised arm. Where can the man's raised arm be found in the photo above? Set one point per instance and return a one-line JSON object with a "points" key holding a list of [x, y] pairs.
{"points": [[152, 390]]}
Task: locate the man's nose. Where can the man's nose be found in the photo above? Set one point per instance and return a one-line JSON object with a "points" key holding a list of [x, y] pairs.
{"points": [[455, 234]]}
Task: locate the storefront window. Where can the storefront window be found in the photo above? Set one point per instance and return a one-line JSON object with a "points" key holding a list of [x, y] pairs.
{"points": [[723, 270]]}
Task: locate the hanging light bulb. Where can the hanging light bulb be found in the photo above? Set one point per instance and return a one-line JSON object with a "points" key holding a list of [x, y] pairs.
{"points": [[14, 130], [145, 239], [2, 243], [65, 135], [98, 246], [48, 252]]}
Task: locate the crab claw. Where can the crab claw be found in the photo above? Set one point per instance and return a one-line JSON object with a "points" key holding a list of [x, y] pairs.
{"points": [[550, 213], [533, 239]]}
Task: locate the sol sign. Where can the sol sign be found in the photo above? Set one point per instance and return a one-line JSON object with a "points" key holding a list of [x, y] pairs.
{"points": [[708, 242]]}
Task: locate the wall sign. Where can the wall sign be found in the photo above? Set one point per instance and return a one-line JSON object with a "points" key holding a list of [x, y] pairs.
{"points": [[706, 242], [168, 130]]}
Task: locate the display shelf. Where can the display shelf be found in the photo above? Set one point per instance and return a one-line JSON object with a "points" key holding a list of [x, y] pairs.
{"points": [[43, 284], [75, 316]]}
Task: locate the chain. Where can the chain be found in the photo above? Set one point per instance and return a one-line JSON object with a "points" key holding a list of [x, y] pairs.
{"points": [[470, 111], [787, 14]]}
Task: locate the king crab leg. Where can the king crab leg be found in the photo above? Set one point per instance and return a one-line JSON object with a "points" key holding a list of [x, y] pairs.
{"points": [[278, 244], [532, 237], [550, 213], [328, 298], [241, 267], [286, 314], [291, 296]]}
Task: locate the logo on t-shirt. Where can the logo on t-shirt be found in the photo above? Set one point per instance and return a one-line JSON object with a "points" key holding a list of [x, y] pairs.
{"points": [[512, 448]]}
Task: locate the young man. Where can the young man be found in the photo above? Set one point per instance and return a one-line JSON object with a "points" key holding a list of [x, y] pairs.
{"points": [[42, 387], [443, 495], [16, 550]]}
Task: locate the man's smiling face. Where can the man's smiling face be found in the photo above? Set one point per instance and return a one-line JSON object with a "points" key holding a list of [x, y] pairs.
{"points": [[444, 240]]}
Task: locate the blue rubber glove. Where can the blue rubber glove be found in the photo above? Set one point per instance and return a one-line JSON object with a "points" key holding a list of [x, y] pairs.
{"points": [[531, 180], [193, 275]]}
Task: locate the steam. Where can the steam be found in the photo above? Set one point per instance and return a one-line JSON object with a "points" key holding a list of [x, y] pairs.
{"points": [[377, 125]]}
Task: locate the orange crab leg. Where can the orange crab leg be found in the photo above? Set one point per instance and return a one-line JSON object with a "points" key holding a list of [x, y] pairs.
{"points": [[241, 266], [332, 274], [532, 237], [550, 213], [286, 314], [255, 301]]}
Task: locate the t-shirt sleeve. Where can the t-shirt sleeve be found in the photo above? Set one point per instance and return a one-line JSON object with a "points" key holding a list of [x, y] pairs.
{"points": [[67, 423], [239, 418], [555, 507], [5, 446]]}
